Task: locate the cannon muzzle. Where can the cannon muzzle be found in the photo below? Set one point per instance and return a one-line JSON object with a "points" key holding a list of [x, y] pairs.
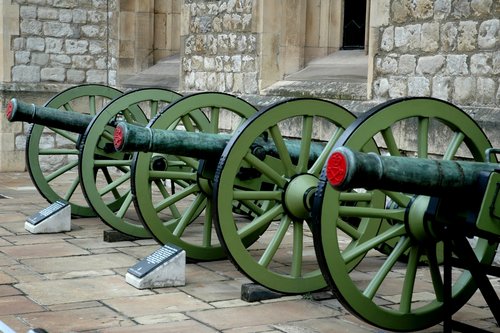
{"points": [[72, 121], [347, 169], [131, 138]]}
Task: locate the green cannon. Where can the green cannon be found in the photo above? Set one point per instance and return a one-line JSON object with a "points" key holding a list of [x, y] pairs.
{"points": [[268, 203], [437, 207], [72, 119]]}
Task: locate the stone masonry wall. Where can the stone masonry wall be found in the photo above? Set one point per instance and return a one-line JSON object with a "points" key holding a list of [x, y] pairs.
{"points": [[219, 48], [63, 41], [448, 49]]}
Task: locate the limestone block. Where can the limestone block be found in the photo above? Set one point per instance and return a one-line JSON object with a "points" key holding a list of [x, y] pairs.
{"points": [[430, 37], [75, 76], [39, 59], [58, 29], [54, 45], [96, 76], [22, 57], [481, 7], [387, 65], [31, 27], [53, 74], [400, 11], [79, 16], [47, 13], [419, 86], [449, 33], [461, 9], [467, 36], [496, 63], [407, 64], [92, 31], [24, 73], [82, 61], [485, 91], [456, 64], [480, 64], [60, 59], [488, 34], [28, 12], [35, 43], [464, 89], [430, 65], [442, 9], [387, 41], [398, 87], [441, 87], [423, 9], [65, 15], [76, 46], [381, 88]]}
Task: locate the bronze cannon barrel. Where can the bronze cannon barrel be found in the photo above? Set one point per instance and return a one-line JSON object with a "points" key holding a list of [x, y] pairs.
{"points": [[72, 121], [131, 138], [347, 169]]}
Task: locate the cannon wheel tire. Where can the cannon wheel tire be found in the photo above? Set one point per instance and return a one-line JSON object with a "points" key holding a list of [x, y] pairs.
{"points": [[105, 174], [53, 184], [400, 295], [283, 258], [169, 201]]}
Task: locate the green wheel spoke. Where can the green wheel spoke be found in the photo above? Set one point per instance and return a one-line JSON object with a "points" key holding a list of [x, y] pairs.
{"points": [[266, 170], [252, 207], [437, 281], [409, 282], [403, 244], [394, 214], [112, 185], [320, 162], [153, 106], [348, 229], [67, 135], [256, 195], [164, 192], [453, 146], [214, 120], [207, 224], [125, 205], [72, 188], [188, 215], [361, 249], [305, 144], [356, 196], [107, 135], [112, 163], [423, 137], [58, 151], [188, 124], [61, 171], [392, 147], [282, 151], [399, 198], [298, 248], [260, 221], [275, 242], [176, 197], [191, 162], [68, 107], [92, 105]]}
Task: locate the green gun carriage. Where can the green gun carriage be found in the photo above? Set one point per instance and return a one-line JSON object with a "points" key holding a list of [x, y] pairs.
{"points": [[440, 215], [80, 114]]}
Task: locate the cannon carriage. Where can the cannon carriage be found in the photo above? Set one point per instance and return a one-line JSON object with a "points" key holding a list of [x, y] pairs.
{"points": [[260, 195]]}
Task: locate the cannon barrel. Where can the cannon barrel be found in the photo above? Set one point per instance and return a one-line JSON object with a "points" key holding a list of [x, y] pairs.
{"points": [[347, 169], [131, 138], [72, 121]]}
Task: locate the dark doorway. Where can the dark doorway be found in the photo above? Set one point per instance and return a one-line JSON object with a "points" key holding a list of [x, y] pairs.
{"points": [[354, 24]]}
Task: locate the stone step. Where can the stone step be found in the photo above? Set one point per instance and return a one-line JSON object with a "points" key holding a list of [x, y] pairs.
{"points": [[319, 89]]}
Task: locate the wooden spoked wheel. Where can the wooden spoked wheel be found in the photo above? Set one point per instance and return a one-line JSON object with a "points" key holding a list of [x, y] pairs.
{"points": [[52, 154], [172, 197], [105, 174], [282, 149], [403, 290]]}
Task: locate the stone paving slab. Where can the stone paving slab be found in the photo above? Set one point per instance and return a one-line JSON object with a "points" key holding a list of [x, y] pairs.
{"points": [[75, 282]]}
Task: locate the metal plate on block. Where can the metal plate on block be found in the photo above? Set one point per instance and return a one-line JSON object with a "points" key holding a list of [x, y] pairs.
{"points": [[47, 212], [154, 260]]}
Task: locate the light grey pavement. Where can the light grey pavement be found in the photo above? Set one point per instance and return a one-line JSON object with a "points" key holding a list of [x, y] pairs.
{"points": [[74, 282]]}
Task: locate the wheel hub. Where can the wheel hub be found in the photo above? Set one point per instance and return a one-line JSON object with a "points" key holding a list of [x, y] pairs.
{"points": [[298, 195], [418, 224]]}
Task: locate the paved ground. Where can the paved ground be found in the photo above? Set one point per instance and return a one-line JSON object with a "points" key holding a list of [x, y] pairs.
{"points": [[74, 282]]}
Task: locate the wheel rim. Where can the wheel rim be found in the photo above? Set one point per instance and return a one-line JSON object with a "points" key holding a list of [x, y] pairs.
{"points": [[283, 202], [52, 184], [105, 173], [168, 216], [371, 300]]}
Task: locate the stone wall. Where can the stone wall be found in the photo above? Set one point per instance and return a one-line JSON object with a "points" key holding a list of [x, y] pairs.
{"points": [[218, 46], [448, 49], [62, 41]]}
